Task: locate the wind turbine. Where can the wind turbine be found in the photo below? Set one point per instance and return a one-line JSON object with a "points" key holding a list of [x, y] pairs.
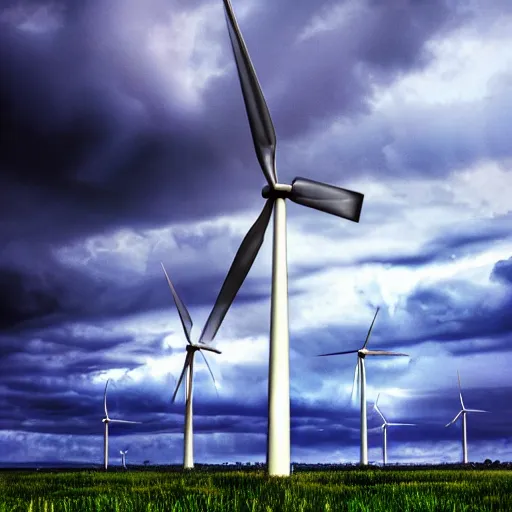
{"points": [[384, 427], [463, 411], [334, 200], [123, 457], [211, 327], [361, 372], [108, 420]]}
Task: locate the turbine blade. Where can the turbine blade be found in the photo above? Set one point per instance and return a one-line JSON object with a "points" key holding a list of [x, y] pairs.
{"points": [[262, 129], [105, 398], [355, 384], [370, 329], [338, 353], [186, 321], [460, 390], [384, 353], [210, 370], [187, 362], [240, 267], [380, 413], [403, 424], [475, 410], [377, 401], [338, 201], [124, 421], [454, 419]]}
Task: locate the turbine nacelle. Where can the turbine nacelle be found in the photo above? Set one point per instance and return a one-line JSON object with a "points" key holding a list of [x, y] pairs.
{"points": [[278, 190]]}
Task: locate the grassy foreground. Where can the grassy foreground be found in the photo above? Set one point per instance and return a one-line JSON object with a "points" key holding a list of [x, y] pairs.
{"points": [[336, 491]]}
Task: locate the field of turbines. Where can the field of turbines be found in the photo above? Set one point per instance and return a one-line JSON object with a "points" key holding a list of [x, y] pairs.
{"points": [[340, 202], [337, 491]]}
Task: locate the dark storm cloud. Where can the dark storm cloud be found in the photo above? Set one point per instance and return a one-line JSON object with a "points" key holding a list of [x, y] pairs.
{"points": [[502, 271], [51, 292], [78, 151], [104, 153], [57, 405], [87, 146], [455, 311], [43, 365]]}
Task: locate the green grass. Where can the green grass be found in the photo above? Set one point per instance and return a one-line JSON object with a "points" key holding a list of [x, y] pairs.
{"points": [[334, 491]]}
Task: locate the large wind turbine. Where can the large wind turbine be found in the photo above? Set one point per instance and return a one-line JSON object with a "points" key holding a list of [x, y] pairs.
{"points": [[108, 420], [463, 411], [211, 327], [361, 372], [384, 427], [337, 201]]}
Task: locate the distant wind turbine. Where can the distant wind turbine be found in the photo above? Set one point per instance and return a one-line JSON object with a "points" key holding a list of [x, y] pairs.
{"points": [[209, 331], [463, 411], [108, 420], [123, 457], [384, 427], [361, 372]]}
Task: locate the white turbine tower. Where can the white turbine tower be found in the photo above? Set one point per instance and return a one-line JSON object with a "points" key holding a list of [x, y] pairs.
{"points": [[123, 457], [334, 200], [108, 420], [463, 411], [361, 372], [209, 331], [384, 427]]}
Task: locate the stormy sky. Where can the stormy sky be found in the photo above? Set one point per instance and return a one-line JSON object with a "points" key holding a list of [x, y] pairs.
{"points": [[124, 142]]}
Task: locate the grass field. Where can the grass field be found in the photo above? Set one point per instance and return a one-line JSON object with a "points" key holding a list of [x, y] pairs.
{"points": [[336, 491]]}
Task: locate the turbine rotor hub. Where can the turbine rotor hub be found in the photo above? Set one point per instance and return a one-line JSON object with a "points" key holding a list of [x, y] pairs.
{"points": [[278, 190]]}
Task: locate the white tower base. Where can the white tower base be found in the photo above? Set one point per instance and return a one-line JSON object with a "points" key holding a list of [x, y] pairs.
{"points": [[278, 449]]}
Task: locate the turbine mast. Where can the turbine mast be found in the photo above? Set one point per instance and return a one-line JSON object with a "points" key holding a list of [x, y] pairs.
{"points": [[364, 425], [278, 450], [385, 445], [105, 446], [188, 455], [464, 439]]}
